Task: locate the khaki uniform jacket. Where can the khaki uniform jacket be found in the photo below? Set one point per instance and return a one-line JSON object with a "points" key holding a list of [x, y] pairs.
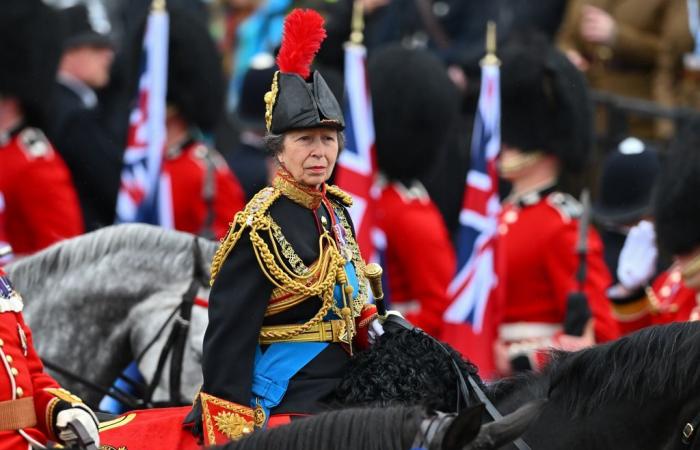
{"points": [[645, 57]]}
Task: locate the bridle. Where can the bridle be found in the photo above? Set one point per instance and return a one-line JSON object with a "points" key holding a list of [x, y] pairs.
{"points": [[462, 387], [690, 430], [174, 347]]}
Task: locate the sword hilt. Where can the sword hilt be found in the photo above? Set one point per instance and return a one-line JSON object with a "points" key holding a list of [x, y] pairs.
{"points": [[373, 273]]}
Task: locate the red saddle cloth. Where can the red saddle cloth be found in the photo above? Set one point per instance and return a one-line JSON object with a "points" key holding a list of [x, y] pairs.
{"points": [[156, 429]]}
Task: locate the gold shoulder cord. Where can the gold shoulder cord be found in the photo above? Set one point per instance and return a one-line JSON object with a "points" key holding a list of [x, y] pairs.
{"points": [[328, 270], [341, 194]]}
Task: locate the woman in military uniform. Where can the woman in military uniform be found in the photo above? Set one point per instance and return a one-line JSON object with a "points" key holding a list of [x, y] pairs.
{"points": [[288, 300]]}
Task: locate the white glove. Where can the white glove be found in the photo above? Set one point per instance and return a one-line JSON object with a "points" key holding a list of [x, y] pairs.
{"points": [[637, 262], [376, 327], [85, 417]]}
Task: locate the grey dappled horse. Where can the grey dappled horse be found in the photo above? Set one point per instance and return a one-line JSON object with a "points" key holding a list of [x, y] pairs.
{"points": [[94, 302]]}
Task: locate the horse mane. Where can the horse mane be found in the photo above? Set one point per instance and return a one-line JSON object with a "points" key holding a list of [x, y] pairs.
{"points": [[130, 238], [404, 367], [393, 428], [655, 362]]}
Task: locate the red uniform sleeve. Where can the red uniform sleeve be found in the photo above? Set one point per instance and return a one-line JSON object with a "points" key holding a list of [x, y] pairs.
{"points": [[230, 199], [44, 401], [562, 263], [422, 251], [48, 203]]}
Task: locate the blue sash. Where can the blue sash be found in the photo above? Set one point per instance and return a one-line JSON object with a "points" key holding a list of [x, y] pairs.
{"points": [[282, 360]]}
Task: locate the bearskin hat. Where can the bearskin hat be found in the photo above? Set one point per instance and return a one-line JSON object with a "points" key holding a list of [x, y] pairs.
{"points": [[195, 74], [30, 48], [299, 98], [545, 102], [677, 200], [414, 105]]}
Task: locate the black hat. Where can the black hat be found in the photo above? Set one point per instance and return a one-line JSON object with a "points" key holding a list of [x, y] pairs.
{"points": [[627, 183], [30, 48], [677, 199], [256, 82], [299, 98], [414, 105], [195, 75], [78, 29], [545, 102]]}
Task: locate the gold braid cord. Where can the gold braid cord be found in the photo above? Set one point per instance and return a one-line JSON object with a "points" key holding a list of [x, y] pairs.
{"points": [[317, 281], [343, 196]]}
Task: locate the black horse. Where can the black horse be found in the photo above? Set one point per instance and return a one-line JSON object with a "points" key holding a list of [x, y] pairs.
{"points": [[392, 428], [639, 392]]}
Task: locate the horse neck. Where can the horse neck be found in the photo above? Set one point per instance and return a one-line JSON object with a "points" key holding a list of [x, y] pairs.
{"points": [[367, 428]]}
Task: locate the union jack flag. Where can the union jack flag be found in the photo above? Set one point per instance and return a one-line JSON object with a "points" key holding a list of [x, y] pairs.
{"points": [[140, 194], [356, 165], [470, 322]]}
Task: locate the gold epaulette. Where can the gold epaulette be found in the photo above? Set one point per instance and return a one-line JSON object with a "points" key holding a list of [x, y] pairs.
{"points": [[252, 214], [340, 194]]}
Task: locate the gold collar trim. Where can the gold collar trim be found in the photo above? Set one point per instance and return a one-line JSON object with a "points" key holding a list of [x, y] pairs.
{"points": [[307, 197]]}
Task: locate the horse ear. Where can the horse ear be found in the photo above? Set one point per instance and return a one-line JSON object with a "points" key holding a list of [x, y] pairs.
{"points": [[511, 427], [463, 429]]}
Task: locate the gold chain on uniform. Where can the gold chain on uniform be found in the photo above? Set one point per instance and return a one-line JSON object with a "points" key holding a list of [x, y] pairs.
{"points": [[327, 272]]}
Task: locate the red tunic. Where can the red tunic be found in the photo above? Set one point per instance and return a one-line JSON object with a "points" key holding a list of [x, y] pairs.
{"points": [[41, 206], [537, 241], [420, 260], [193, 170], [668, 300], [22, 375]]}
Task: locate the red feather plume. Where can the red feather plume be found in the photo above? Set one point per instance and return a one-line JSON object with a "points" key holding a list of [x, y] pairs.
{"points": [[301, 40]]}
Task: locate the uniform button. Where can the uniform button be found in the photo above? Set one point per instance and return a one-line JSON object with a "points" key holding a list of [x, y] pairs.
{"points": [[9, 359], [665, 291], [14, 371], [2, 342], [20, 392]]}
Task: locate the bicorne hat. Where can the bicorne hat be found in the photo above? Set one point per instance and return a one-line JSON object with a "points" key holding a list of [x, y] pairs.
{"points": [[299, 98]]}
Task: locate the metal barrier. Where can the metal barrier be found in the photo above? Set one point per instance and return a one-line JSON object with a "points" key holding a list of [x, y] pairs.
{"points": [[618, 109]]}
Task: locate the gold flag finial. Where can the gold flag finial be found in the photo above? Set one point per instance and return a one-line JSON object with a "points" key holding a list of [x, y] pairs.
{"points": [[158, 5], [358, 23], [490, 58]]}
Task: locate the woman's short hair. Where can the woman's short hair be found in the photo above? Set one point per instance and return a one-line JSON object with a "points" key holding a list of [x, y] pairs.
{"points": [[275, 142]]}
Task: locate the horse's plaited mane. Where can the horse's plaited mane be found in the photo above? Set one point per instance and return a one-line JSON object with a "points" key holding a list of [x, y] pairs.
{"points": [[654, 363], [136, 238], [404, 367], [392, 428]]}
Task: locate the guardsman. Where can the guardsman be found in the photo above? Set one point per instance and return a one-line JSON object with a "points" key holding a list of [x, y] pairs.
{"points": [[546, 131], [415, 105], [205, 194], [40, 203], [673, 296], [33, 407]]}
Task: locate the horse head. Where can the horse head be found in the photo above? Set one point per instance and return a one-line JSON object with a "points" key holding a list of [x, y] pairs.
{"points": [[466, 431], [89, 300]]}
